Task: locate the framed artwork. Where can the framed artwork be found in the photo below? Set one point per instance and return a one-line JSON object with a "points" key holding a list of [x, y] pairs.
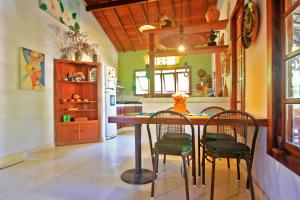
{"points": [[65, 11], [32, 70]]}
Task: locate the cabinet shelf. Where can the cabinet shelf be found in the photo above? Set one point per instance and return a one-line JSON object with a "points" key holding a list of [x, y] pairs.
{"points": [[79, 82], [80, 110], [82, 102], [78, 122]]}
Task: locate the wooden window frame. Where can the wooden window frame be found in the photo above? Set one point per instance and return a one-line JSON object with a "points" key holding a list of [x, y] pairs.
{"points": [[287, 154], [233, 34], [135, 94], [175, 76]]}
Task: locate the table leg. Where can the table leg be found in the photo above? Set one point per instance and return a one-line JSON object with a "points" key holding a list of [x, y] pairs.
{"points": [[137, 175]]}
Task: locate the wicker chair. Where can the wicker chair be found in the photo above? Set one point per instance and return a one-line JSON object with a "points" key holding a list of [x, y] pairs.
{"points": [[232, 125], [171, 138], [165, 156], [208, 110]]}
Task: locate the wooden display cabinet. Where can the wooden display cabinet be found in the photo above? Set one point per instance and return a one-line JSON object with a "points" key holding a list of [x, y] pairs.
{"points": [[88, 129]]}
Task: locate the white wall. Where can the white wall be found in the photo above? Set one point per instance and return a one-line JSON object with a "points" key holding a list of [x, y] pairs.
{"points": [[275, 180], [26, 117]]}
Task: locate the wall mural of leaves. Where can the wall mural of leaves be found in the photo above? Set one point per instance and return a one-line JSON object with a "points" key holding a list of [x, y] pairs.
{"points": [[65, 11]]}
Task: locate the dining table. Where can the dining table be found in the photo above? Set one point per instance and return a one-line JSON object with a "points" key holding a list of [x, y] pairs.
{"points": [[139, 175]]}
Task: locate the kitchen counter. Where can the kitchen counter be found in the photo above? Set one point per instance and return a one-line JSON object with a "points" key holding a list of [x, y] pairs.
{"points": [[194, 104], [189, 100]]}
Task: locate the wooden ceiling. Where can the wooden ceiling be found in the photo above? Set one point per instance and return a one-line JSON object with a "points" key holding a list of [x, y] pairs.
{"points": [[121, 22]]}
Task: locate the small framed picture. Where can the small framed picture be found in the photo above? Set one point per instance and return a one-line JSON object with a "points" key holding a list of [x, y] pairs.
{"points": [[93, 74]]}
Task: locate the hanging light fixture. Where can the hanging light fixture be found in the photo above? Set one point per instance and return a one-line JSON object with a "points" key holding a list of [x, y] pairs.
{"points": [[181, 46], [147, 26]]}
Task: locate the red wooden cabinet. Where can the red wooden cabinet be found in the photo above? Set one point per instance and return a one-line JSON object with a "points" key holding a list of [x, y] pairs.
{"points": [[65, 90], [125, 110]]}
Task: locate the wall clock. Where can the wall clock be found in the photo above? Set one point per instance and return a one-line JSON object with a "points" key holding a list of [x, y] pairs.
{"points": [[250, 21]]}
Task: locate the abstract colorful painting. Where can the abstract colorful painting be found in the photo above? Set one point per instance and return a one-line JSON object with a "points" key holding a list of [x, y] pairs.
{"points": [[32, 70], [65, 11]]}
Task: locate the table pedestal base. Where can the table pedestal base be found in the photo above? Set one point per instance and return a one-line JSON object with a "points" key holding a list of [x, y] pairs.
{"points": [[131, 176]]}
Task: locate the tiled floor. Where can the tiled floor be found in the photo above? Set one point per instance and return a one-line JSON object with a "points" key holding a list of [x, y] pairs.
{"points": [[92, 171]]}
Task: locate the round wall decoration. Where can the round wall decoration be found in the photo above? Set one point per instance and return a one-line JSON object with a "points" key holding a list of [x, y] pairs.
{"points": [[250, 21]]}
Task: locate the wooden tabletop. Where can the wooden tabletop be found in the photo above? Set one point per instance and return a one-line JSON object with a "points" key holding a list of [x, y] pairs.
{"points": [[143, 119]]}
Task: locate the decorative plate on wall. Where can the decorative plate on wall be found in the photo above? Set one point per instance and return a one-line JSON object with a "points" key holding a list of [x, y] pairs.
{"points": [[250, 22]]}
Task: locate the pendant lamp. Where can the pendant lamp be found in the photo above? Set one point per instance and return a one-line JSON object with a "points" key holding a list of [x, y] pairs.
{"points": [[147, 26]]}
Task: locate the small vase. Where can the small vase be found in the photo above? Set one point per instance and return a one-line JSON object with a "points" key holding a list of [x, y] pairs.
{"points": [[95, 58], [78, 56], [212, 14]]}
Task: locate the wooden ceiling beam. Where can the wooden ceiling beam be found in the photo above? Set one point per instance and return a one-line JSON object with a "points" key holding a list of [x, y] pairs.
{"points": [[158, 8], [189, 10], [112, 4], [136, 29], [113, 31], [208, 49], [144, 14], [122, 27], [174, 11], [190, 29]]}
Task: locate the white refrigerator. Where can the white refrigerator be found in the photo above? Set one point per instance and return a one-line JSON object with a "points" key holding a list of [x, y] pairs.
{"points": [[109, 101]]}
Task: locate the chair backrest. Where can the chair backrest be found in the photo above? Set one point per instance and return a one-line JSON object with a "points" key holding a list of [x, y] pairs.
{"points": [[212, 110], [232, 125], [168, 122]]}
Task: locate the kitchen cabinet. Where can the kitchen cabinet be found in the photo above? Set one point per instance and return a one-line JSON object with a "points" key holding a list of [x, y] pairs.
{"points": [[125, 110]]}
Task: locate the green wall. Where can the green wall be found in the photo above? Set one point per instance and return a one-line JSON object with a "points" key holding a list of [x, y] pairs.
{"points": [[134, 60]]}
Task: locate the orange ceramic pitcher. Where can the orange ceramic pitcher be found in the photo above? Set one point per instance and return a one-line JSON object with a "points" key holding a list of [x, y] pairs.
{"points": [[180, 105]]}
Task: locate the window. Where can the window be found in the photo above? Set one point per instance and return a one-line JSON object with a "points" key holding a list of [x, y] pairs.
{"points": [[284, 63], [165, 61], [141, 83], [291, 64], [167, 81]]}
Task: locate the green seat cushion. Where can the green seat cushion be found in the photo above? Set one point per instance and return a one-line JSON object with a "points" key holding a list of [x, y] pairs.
{"points": [[173, 147], [220, 136], [227, 148], [177, 136]]}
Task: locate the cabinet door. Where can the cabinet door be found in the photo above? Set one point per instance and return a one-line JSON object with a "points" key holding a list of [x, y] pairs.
{"points": [[138, 109], [67, 134], [89, 132], [119, 112]]}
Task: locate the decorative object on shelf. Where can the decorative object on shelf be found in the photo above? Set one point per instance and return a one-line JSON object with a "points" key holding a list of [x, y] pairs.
{"points": [[66, 118], [212, 37], [32, 70], [77, 76], [80, 44], [76, 96], [201, 73], [180, 105], [64, 100], [65, 11], [92, 74], [205, 83], [250, 21], [225, 90], [165, 21], [85, 100], [212, 14], [221, 39]]}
